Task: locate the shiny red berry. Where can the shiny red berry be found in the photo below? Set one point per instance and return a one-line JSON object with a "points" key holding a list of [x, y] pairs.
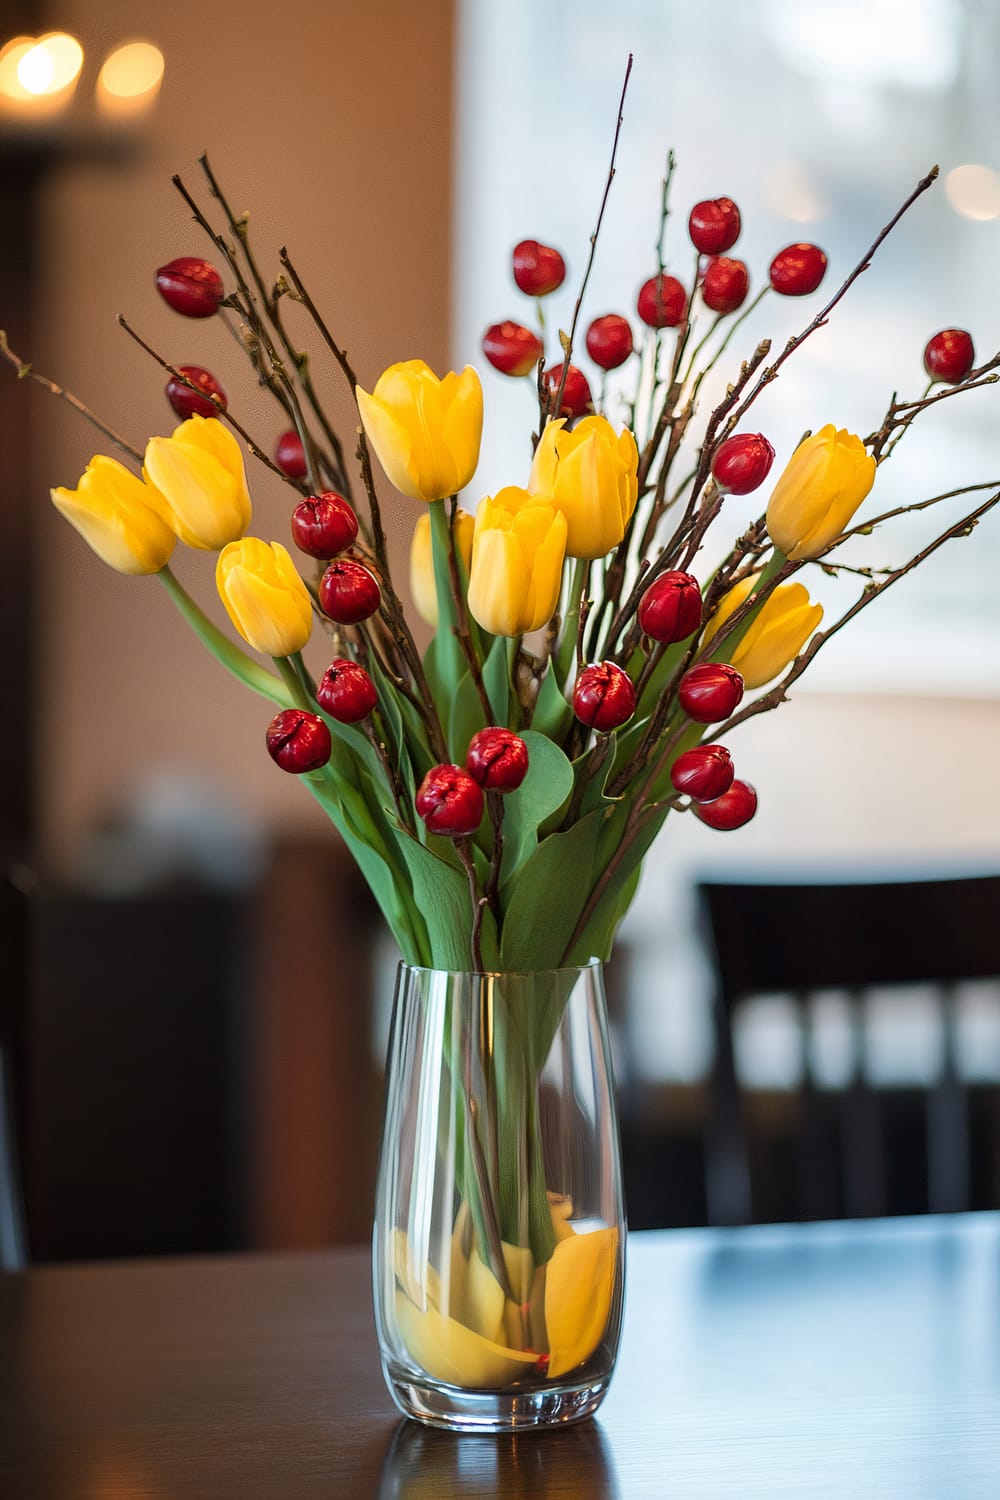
{"points": [[538, 269], [189, 403], [323, 525], [710, 692], [703, 773], [511, 348], [290, 456], [731, 810], [714, 225], [298, 741], [498, 759], [577, 400], [190, 286], [670, 609], [609, 341], [725, 284], [797, 270], [949, 355], [450, 801], [742, 462], [662, 302], [604, 696], [348, 592], [346, 692]]}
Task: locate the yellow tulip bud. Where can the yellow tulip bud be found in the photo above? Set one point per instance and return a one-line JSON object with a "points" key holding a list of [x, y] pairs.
{"points": [[199, 473], [589, 473], [425, 431], [422, 585], [824, 482], [264, 596], [118, 517], [518, 548], [777, 632]]}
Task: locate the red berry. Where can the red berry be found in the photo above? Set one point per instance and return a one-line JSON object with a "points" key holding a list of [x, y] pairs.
{"points": [[290, 456], [731, 810], [538, 269], [189, 403], [670, 609], [498, 759], [725, 284], [511, 348], [323, 525], [450, 802], [190, 286], [346, 692], [609, 341], [703, 773], [348, 592], [662, 302], [604, 696], [298, 741], [714, 225], [949, 355], [710, 692], [797, 270], [576, 399], [742, 462]]}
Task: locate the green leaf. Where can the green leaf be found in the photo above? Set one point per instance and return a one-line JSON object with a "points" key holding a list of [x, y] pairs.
{"points": [[442, 894], [553, 715], [596, 939], [541, 912], [465, 719], [542, 792], [496, 679]]}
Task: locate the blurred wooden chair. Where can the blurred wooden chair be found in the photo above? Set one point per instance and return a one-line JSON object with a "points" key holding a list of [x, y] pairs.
{"points": [[797, 939]]}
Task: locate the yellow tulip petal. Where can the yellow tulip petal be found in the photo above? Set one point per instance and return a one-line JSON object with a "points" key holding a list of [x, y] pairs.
{"points": [[579, 1285], [454, 1354]]}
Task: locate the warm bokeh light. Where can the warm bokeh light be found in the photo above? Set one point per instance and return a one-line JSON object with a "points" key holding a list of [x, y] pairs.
{"points": [[130, 79], [38, 74], [973, 191], [51, 65]]}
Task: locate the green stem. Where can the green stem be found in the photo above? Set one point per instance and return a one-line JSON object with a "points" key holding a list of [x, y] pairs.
{"points": [[235, 660]]}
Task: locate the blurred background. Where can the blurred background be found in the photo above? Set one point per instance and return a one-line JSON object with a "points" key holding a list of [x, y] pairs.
{"points": [[194, 1030]]}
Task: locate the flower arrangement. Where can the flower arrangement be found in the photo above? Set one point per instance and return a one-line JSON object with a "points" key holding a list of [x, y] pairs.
{"points": [[500, 789]]}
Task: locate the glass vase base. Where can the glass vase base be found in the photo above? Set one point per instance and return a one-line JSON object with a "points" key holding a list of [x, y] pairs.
{"points": [[458, 1410]]}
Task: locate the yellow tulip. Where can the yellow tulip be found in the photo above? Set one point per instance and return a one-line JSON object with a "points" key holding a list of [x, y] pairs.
{"points": [[199, 473], [824, 482], [425, 431], [777, 632], [422, 586], [579, 1285], [264, 596], [118, 517], [518, 547], [589, 473]]}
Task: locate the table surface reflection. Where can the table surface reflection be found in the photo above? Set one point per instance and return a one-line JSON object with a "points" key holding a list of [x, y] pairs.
{"points": [[844, 1359]]}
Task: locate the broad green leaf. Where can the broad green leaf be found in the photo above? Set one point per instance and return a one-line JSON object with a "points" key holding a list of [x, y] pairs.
{"points": [[465, 719], [496, 678], [542, 792], [443, 897], [544, 901], [618, 888], [553, 715]]}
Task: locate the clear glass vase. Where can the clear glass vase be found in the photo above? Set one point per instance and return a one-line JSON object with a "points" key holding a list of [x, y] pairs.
{"points": [[499, 1240]]}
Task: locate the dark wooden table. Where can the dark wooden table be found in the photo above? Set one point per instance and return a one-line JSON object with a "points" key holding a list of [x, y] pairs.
{"points": [[853, 1360]]}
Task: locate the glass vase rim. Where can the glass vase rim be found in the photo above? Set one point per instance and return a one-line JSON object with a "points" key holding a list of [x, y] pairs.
{"points": [[591, 966]]}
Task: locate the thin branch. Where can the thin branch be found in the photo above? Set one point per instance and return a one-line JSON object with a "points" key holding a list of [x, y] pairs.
{"points": [[556, 406], [26, 372]]}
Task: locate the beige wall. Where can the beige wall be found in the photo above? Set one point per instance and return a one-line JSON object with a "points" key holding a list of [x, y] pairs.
{"points": [[330, 120]]}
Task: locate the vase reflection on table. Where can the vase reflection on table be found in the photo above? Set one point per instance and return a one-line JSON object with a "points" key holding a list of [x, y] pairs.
{"points": [[498, 1250]]}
